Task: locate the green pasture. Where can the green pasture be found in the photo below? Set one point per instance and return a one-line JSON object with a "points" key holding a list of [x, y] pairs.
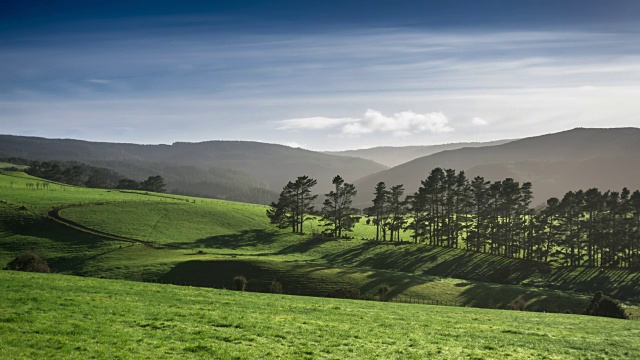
{"points": [[63, 317], [5, 165], [162, 237]]}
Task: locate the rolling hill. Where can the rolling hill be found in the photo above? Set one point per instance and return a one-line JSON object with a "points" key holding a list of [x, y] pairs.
{"points": [[555, 163], [212, 168], [395, 155]]}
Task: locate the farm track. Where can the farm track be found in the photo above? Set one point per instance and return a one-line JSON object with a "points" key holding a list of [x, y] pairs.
{"points": [[54, 215]]}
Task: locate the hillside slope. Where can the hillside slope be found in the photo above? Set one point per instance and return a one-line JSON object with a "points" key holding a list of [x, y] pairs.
{"points": [[554, 163], [149, 237], [189, 166], [396, 155]]}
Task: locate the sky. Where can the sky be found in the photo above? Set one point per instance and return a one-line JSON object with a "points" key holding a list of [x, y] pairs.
{"points": [[322, 75]]}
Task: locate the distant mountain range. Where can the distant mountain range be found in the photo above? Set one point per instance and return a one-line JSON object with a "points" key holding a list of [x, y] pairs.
{"points": [[236, 170], [608, 159], [395, 155]]}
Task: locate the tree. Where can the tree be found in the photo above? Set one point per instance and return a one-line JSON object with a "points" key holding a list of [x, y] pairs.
{"points": [[379, 209], [479, 229], [417, 206], [153, 183], [397, 210], [337, 213], [294, 203], [304, 198], [128, 184], [281, 213], [603, 305]]}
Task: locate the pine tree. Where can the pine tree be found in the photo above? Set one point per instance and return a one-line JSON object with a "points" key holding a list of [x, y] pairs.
{"points": [[337, 214], [295, 202], [379, 209]]}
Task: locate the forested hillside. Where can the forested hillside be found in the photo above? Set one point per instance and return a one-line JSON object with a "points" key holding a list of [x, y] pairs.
{"points": [[554, 163], [396, 155], [236, 170]]}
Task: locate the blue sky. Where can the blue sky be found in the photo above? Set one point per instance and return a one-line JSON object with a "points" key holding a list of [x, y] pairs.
{"points": [[321, 75]]}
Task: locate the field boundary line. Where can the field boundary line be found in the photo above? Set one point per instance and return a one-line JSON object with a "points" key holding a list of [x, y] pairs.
{"points": [[54, 215]]}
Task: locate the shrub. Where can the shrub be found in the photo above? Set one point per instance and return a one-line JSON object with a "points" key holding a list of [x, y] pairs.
{"points": [[603, 305], [240, 283], [345, 293], [29, 261], [383, 290], [275, 287]]}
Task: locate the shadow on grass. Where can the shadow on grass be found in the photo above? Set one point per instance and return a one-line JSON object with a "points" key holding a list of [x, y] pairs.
{"points": [[65, 249], [296, 278], [436, 261], [317, 280], [303, 246], [496, 296], [243, 239], [619, 283]]}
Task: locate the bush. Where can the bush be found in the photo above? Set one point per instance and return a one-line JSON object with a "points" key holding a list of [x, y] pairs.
{"points": [[345, 293], [383, 290], [275, 287], [240, 283], [30, 262], [603, 305]]}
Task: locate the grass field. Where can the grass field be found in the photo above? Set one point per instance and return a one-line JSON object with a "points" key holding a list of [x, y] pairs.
{"points": [[55, 316], [5, 165], [207, 242]]}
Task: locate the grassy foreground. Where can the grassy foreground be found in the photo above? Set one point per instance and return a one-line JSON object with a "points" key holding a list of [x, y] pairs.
{"points": [[55, 316]]}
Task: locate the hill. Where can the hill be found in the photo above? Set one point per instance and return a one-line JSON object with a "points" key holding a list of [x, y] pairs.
{"points": [[555, 163], [158, 237], [395, 155], [48, 315], [212, 168]]}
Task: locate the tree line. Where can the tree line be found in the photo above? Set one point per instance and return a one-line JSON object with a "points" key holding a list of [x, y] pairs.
{"points": [[583, 228], [79, 174], [296, 203]]}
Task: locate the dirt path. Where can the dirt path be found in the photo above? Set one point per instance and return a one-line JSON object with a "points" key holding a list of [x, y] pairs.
{"points": [[55, 216]]}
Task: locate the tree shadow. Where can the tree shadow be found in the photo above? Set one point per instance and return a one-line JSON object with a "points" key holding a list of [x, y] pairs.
{"points": [[495, 296], [619, 283], [296, 278], [387, 256], [76, 263], [303, 246], [243, 239]]}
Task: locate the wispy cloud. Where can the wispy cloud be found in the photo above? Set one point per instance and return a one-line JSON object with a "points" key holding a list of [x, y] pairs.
{"points": [[312, 123], [99, 81], [201, 85]]}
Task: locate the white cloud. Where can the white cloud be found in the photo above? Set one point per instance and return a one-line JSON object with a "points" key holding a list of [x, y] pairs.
{"points": [[312, 123], [479, 121], [400, 124]]}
